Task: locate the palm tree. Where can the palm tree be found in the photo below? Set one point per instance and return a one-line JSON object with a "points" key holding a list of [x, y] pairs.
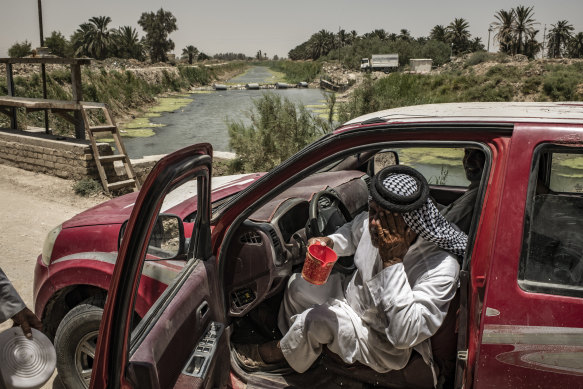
{"points": [[558, 36], [191, 52], [438, 33], [504, 27], [576, 46], [80, 39], [127, 43], [353, 36], [459, 35], [380, 33], [523, 25], [404, 35], [99, 38], [343, 37], [531, 45], [477, 45], [321, 43]]}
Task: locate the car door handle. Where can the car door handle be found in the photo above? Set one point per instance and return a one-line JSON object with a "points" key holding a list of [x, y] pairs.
{"points": [[202, 310]]}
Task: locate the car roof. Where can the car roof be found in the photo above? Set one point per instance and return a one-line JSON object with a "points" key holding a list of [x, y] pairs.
{"points": [[499, 112]]}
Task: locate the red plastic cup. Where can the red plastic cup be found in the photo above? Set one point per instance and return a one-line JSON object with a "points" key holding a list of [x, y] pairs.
{"points": [[318, 264]]}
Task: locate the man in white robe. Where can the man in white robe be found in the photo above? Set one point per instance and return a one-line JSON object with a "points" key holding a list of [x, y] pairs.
{"points": [[397, 298]]}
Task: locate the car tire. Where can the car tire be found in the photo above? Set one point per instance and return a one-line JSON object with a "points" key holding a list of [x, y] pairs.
{"points": [[75, 342]]}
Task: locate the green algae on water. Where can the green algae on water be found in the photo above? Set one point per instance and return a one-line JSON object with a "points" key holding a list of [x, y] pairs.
{"points": [[170, 104], [142, 127]]}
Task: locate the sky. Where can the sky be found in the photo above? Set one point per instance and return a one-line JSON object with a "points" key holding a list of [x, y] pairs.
{"points": [[272, 26]]}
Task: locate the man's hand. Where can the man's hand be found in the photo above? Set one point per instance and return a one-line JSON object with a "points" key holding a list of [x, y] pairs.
{"points": [[394, 237], [27, 319], [323, 240]]}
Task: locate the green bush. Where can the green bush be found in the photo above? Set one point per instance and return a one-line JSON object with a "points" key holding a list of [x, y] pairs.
{"points": [[279, 128], [297, 71], [562, 84], [477, 58], [87, 187]]}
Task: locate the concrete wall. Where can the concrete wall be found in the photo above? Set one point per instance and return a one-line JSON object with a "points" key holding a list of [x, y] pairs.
{"points": [[421, 65], [42, 153]]}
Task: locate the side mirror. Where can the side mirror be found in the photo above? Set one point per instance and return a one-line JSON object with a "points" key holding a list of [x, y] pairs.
{"points": [[381, 160], [167, 240]]}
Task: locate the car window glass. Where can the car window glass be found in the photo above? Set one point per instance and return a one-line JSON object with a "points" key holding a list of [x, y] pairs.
{"points": [[440, 166], [552, 259], [567, 173], [168, 243]]}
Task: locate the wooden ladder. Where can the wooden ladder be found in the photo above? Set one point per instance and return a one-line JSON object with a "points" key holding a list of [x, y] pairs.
{"points": [[108, 126]]}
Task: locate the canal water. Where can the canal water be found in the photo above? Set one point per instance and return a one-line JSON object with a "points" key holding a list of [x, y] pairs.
{"points": [[205, 118]]}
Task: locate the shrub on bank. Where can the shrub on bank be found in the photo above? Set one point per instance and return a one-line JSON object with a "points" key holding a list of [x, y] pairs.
{"points": [[297, 71], [278, 129]]}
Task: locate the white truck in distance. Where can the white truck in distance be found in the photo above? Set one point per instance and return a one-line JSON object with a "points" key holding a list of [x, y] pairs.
{"points": [[380, 63]]}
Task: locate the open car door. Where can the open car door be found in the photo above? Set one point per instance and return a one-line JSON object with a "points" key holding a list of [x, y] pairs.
{"points": [[180, 341]]}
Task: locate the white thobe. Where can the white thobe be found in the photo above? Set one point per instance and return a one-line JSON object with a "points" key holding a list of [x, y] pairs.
{"points": [[375, 316]]}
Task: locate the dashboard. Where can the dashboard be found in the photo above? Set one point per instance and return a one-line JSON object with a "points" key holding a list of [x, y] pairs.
{"points": [[271, 244]]}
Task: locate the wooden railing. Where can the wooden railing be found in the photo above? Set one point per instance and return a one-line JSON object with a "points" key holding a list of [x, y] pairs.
{"points": [[69, 110]]}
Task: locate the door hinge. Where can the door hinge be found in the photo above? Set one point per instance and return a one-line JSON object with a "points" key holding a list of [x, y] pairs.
{"points": [[462, 355]]}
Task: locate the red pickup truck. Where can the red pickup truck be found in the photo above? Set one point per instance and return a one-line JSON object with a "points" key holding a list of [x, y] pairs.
{"points": [[519, 310]]}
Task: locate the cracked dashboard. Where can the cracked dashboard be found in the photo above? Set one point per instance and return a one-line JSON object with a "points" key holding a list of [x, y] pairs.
{"points": [[271, 243]]}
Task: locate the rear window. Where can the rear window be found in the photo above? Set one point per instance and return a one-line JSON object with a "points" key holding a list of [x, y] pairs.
{"points": [[566, 173], [552, 255], [440, 166]]}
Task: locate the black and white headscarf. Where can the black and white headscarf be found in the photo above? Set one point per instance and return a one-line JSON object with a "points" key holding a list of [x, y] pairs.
{"points": [[404, 190]]}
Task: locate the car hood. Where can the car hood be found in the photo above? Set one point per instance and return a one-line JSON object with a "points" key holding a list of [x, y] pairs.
{"points": [[118, 210]]}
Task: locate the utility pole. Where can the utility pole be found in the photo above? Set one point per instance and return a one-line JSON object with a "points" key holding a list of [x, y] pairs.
{"points": [[489, 31], [544, 37], [339, 43], [42, 66]]}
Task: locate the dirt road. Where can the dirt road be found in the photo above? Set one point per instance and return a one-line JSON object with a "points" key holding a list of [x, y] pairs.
{"points": [[30, 206]]}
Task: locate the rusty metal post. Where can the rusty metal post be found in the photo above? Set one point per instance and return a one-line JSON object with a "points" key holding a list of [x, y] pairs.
{"points": [[10, 87], [42, 66], [77, 96]]}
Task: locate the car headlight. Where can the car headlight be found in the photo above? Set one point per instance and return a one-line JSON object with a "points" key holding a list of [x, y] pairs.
{"points": [[50, 243]]}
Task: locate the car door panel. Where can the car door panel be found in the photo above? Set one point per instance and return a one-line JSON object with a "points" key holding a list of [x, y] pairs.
{"points": [[154, 353], [529, 339], [168, 344]]}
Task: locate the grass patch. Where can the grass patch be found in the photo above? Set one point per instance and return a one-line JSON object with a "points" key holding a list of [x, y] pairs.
{"points": [[87, 187], [170, 104]]}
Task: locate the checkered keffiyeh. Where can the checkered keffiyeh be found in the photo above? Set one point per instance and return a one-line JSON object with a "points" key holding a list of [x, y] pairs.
{"points": [[425, 219]]}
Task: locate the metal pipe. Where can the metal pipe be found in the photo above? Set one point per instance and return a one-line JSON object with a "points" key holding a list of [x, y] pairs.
{"points": [[42, 66]]}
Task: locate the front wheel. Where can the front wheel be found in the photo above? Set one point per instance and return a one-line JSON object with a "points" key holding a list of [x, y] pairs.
{"points": [[75, 343]]}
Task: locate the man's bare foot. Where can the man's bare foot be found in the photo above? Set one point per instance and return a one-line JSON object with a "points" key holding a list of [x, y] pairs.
{"points": [[270, 352]]}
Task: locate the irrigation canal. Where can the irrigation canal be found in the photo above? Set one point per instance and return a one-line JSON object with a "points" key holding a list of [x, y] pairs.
{"points": [[205, 118]]}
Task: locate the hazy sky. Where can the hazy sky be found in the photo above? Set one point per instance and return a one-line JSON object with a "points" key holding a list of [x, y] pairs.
{"points": [[273, 26]]}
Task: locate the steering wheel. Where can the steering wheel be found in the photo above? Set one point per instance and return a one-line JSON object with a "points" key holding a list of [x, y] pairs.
{"points": [[326, 214]]}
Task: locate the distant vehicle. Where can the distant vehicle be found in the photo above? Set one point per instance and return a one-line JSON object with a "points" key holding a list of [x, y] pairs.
{"points": [[380, 63]]}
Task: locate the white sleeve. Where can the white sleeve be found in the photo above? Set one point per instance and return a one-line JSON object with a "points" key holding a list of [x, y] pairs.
{"points": [[346, 238], [413, 314]]}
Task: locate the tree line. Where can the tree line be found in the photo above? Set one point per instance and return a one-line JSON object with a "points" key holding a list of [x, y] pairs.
{"points": [[95, 39], [516, 32]]}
